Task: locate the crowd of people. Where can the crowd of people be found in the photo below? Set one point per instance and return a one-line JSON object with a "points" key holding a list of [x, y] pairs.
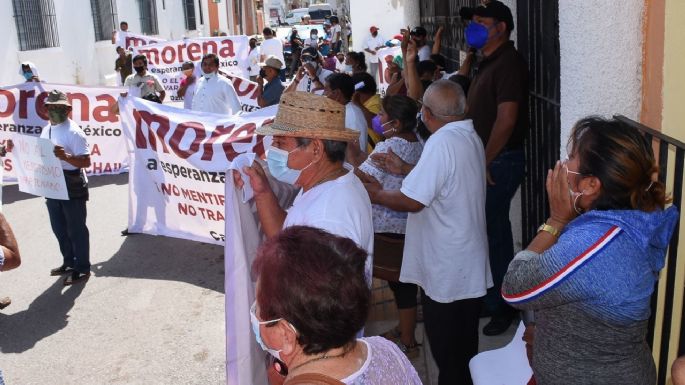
{"points": [[415, 188]]}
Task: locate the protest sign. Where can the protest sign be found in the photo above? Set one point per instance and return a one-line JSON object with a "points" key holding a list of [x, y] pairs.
{"points": [[39, 172], [22, 112], [179, 168], [386, 56], [128, 40], [165, 58]]}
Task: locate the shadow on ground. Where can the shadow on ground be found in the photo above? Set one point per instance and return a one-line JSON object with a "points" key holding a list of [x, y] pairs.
{"points": [[11, 193], [46, 315], [163, 258]]}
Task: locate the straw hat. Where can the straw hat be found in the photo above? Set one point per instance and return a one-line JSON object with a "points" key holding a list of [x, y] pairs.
{"points": [[305, 115], [57, 98]]}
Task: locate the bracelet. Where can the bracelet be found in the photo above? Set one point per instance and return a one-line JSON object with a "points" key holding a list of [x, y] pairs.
{"points": [[550, 229]]}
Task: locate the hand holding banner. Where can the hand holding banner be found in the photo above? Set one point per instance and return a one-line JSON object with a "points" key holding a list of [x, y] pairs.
{"points": [[38, 170]]}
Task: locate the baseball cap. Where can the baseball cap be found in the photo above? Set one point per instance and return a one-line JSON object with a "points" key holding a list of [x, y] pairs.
{"points": [[373, 29], [496, 10], [419, 31]]}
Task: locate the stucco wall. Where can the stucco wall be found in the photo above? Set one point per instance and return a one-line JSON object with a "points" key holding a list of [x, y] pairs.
{"points": [[601, 60], [79, 59], [388, 15]]}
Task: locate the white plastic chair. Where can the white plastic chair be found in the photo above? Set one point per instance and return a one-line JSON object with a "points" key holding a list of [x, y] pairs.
{"points": [[504, 366]]}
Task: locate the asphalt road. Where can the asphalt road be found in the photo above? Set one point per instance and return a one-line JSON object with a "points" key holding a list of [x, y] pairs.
{"points": [[152, 313]]}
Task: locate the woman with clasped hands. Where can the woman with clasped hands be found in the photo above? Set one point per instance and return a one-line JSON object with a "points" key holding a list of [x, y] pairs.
{"points": [[590, 271], [311, 300]]}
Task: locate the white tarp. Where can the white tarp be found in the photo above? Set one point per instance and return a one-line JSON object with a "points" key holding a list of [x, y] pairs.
{"points": [[179, 165], [165, 58], [22, 112]]}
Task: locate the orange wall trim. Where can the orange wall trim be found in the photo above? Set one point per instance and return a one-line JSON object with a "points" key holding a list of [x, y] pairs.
{"points": [[653, 64], [213, 17]]}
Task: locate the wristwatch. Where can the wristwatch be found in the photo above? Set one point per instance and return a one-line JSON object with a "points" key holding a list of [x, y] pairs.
{"points": [[550, 229]]}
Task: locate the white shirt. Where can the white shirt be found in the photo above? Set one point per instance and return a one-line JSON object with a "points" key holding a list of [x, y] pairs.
{"points": [[386, 220], [309, 42], [339, 65], [69, 135], [371, 43], [341, 207], [424, 53], [274, 47], [334, 33], [215, 95], [254, 59], [307, 85], [446, 247], [354, 119]]}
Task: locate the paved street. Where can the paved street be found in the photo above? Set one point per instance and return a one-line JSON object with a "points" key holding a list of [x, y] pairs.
{"points": [[152, 313]]}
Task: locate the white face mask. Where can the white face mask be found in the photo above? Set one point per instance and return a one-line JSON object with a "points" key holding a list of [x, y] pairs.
{"points": [[255, 328], [209, 75]]}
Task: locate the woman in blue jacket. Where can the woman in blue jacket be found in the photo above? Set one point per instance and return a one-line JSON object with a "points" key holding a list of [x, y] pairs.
{"points": [[591, 270]]}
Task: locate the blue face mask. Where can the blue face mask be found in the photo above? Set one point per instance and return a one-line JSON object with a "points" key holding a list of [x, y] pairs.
{"points": [[378, 126], [277, 161], [255, 328], [476, 35], [28, 75]]}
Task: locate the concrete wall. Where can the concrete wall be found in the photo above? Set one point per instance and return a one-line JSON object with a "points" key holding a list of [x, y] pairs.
{"points": [[601, 60], [79, 59], [388, 15]]}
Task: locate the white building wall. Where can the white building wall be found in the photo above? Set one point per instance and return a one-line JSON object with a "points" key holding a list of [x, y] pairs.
{"points": [[79, 59], [388, 15], [601, 60]]}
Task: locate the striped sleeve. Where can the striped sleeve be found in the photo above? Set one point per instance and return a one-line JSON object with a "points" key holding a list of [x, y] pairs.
{"points": [[548, 279]]}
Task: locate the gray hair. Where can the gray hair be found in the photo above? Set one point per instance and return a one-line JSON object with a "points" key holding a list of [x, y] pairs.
{"points": [[445, 99]]}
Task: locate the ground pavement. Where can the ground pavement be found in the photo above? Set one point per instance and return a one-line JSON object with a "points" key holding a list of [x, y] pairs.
{"points": [[152, 313]]}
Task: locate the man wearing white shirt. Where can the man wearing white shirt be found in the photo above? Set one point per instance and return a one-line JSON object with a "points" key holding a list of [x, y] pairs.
{"points": [[340, 87], [214, 93], [311, 76], [420, 36], [336, 34], [446, 247], [372, 44], [271, 46]]}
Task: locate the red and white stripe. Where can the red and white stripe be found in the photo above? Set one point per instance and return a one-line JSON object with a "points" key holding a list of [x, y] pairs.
{"points": [[566, 271]]}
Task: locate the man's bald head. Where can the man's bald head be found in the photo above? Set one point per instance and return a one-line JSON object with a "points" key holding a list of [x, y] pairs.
{"points": [[445, 99]]}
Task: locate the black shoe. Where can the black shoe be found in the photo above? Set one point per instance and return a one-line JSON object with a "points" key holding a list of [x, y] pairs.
{"points": [[64, 269], [4, 302], [76, 277], [497, 325], [125, 232]]}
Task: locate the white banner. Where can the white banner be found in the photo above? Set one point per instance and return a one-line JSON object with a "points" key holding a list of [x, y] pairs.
{"points": [[165, 58], [386, 55], [22, 112], [247, 92], [128, 40], [180, 160], [39, 172]]}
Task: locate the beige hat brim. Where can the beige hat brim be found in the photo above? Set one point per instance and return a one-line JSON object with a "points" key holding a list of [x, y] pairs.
{"points": [[279, 129], [58, 103]]}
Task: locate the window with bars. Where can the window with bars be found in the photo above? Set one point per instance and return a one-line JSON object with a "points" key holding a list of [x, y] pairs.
{"points": [[104, 18], [36, 24], [148, 16], [189, 11]]}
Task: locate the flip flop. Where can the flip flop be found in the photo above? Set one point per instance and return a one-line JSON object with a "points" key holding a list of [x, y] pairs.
{"points": [[76, 277]]}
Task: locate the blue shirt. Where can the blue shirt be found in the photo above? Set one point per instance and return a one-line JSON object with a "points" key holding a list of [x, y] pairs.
{"points": [[272, 92]]}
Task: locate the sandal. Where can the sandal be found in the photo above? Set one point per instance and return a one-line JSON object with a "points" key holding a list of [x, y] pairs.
{"points": [[76, 277], [392, 334], [411, 351], [64, 269]]}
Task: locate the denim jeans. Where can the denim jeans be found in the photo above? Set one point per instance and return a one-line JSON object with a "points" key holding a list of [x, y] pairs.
{"points": [[507, 171], [68, 222]]}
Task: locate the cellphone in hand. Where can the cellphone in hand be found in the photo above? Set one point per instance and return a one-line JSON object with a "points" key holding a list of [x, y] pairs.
{"points": [[262, 73]]}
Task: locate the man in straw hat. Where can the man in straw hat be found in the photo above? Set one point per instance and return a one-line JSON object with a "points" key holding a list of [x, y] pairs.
{"points": [[308, 151], [68, 217], [270, 93]]}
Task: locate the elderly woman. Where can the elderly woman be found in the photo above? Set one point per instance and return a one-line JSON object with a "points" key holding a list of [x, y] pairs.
{"points": [[308, 150], [396, 122], [311, 300], [590, 271]]}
